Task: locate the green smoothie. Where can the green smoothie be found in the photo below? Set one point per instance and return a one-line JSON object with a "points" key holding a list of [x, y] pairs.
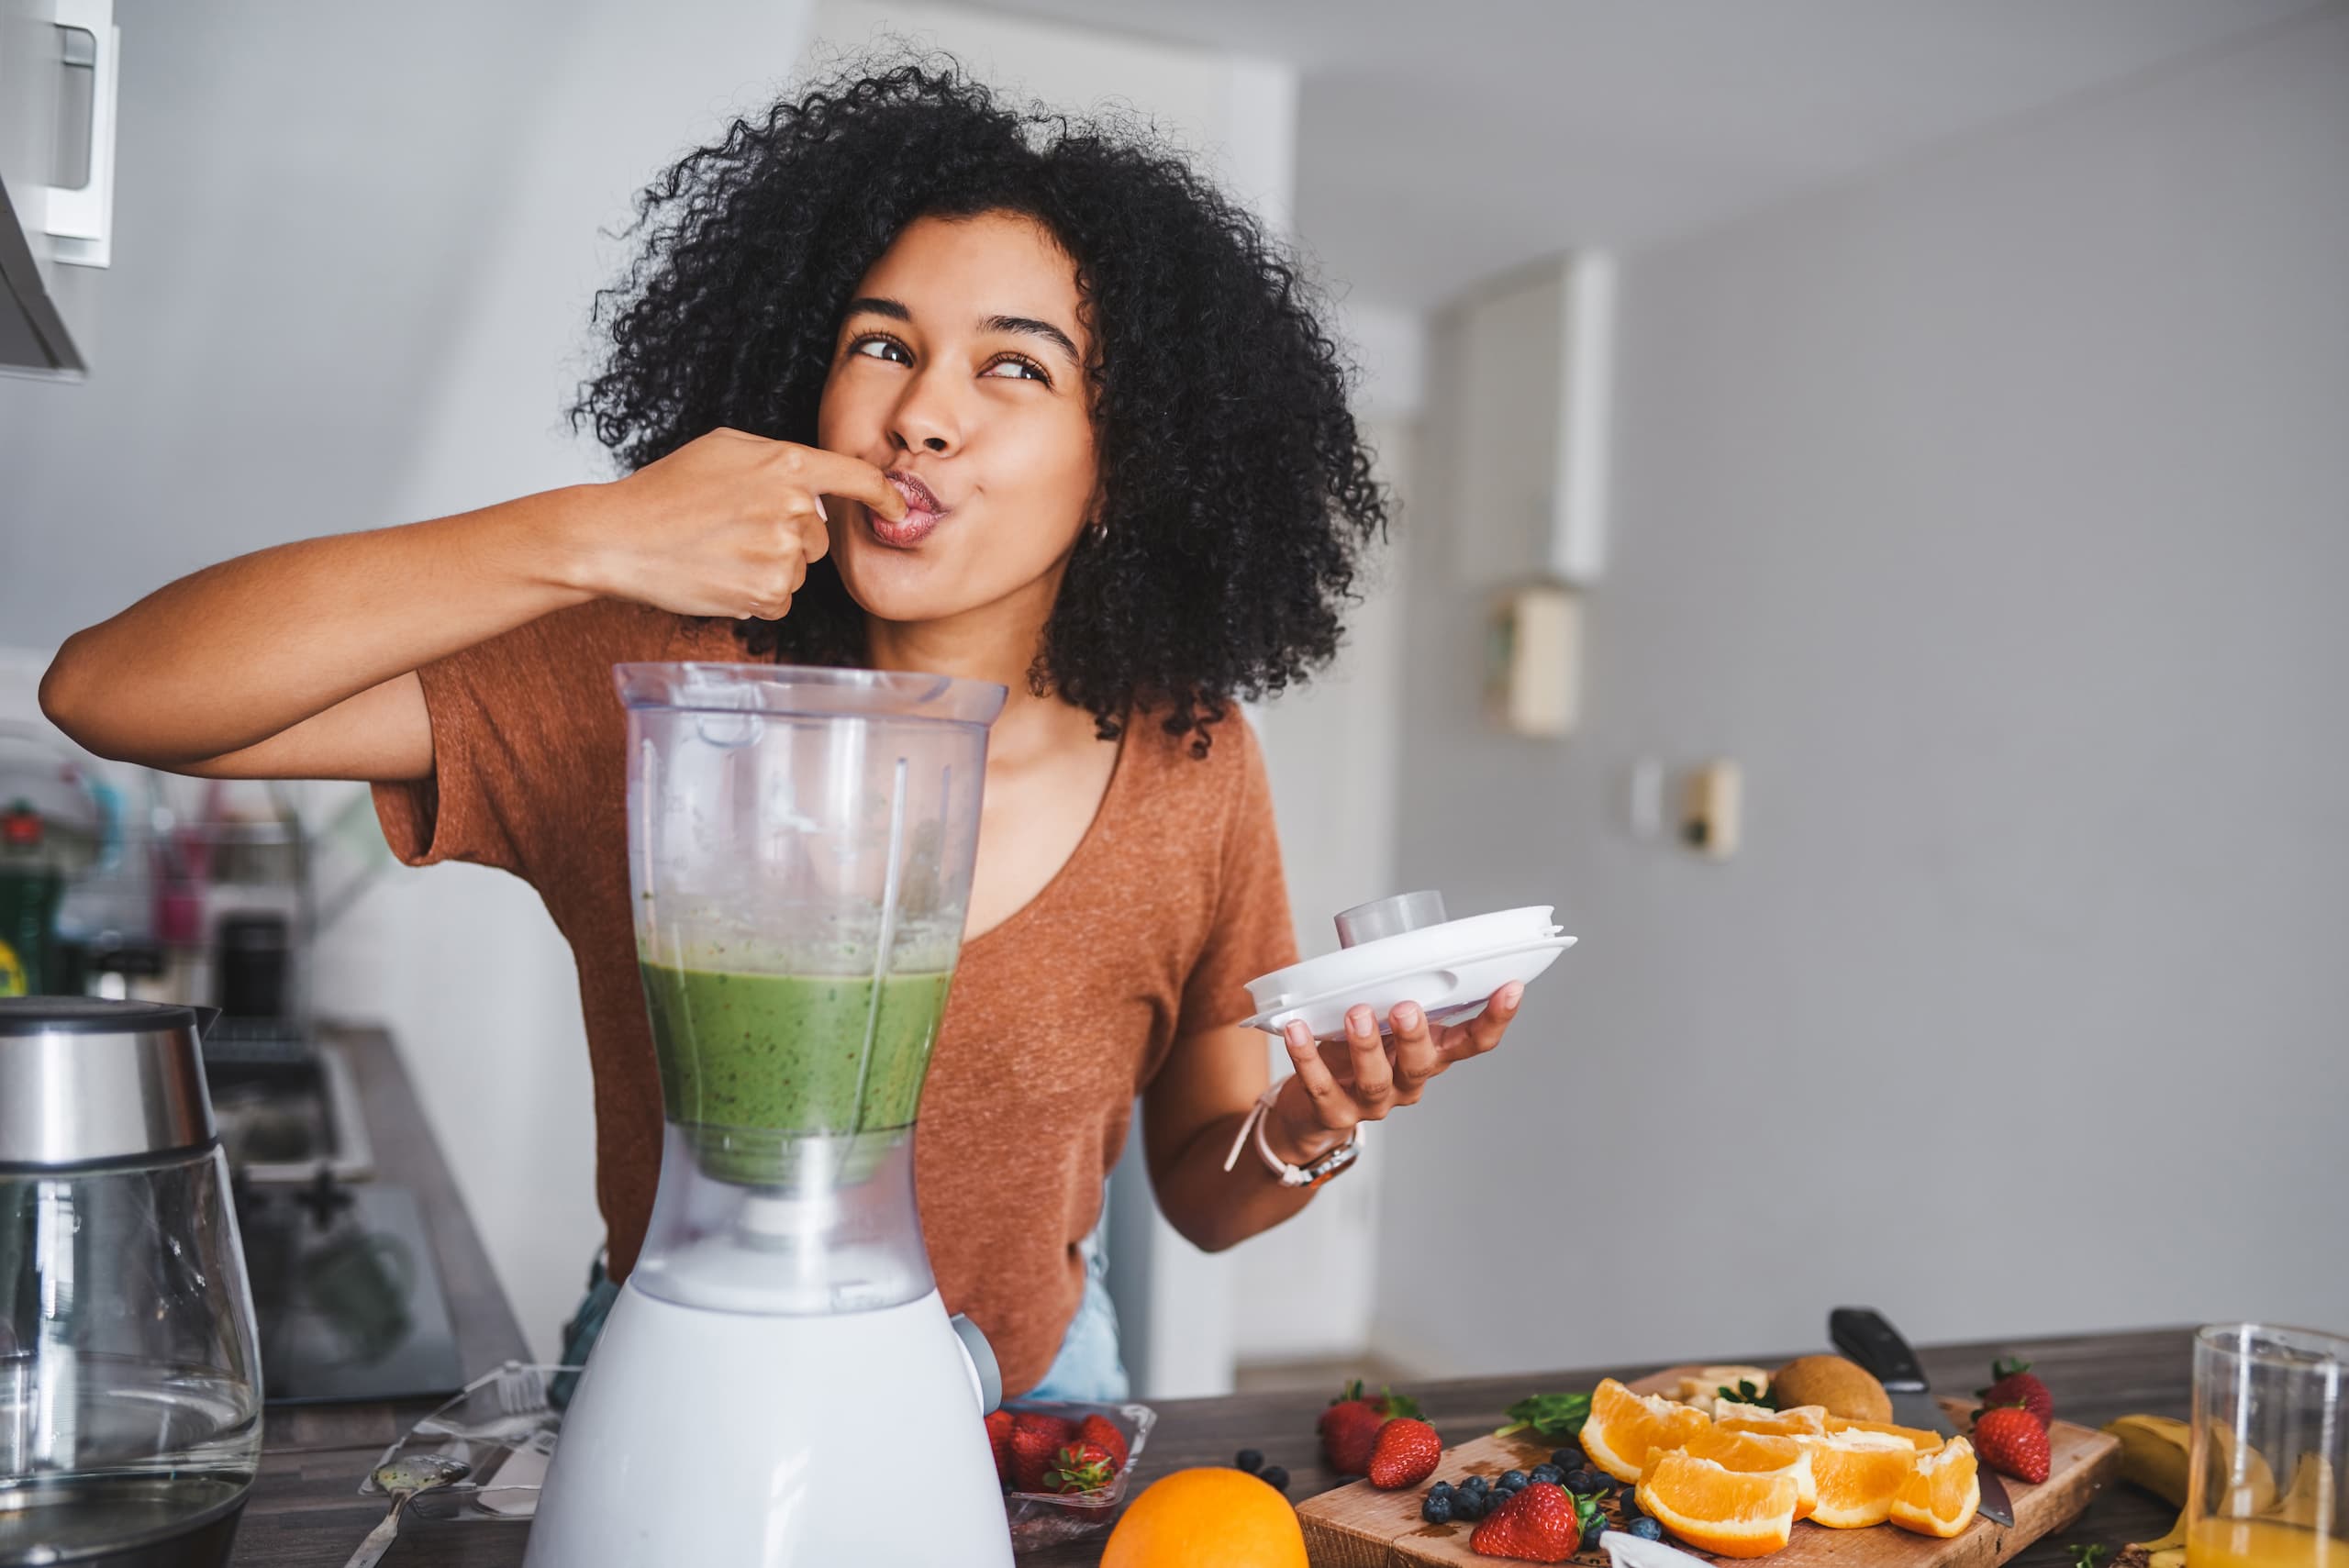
{"points": [[784, 1053]]}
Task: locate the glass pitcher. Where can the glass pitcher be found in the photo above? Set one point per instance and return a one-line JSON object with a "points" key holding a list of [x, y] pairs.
{"points": [[130, 1398]]}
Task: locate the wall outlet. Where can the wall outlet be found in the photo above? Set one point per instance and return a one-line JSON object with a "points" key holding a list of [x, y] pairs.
{"points": [[1712, 809]]}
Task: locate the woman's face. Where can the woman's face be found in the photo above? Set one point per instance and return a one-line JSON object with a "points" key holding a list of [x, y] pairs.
{"points": [[959, 372]]}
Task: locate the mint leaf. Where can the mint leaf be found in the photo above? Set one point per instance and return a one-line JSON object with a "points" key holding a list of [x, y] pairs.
{"points": [[1746, 1394], [1557, 1417]]}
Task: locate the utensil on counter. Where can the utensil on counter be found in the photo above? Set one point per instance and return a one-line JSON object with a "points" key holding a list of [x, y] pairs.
{"points": [[404, 1478], [1861, 1333]]}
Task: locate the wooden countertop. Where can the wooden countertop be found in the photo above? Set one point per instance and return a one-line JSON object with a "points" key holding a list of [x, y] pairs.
{"points": [[305, 1511]]}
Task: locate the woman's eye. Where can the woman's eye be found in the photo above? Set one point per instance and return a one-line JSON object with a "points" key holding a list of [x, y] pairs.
{"points": [[882, 349], [1017, 370]]}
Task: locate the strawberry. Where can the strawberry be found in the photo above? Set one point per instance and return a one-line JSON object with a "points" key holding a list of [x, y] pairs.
{"points": [[2009, 1438], [2013, 1384], [1538, 1524], [1350, 1426], [1103, 1434], [1035, 1439], [999, 1438], [1404, 1454], [1081, 1466]]}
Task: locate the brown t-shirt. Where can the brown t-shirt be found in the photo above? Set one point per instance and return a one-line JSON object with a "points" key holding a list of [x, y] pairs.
{"points": [[1058, 1018]]}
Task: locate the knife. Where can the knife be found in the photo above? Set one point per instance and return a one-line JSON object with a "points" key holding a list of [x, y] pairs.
{"points": [[1860, 1333]]}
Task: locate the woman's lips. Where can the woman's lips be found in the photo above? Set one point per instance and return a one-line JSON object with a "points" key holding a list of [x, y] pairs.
{"points": [[923, 511]]}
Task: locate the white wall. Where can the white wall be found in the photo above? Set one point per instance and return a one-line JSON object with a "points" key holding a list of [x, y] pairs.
{"points": [[1992, 512]]}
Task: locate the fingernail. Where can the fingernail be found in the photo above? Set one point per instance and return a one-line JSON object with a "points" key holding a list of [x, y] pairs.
{"points": [[1512, 994], [1407, 1017], [1359, 1020], [821, 515]]}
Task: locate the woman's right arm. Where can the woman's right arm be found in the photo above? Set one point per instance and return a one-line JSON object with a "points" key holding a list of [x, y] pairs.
{"points": [[300, 662]]}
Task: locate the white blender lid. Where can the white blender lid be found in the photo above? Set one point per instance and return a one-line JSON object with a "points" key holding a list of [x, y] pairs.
{"points": [[1451, 969]]}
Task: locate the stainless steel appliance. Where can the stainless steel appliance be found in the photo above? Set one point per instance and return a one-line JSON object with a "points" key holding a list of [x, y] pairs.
{"points": [[130, 1398]]}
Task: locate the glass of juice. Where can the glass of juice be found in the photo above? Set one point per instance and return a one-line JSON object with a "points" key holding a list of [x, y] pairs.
{"points": [[2271, 1444]]}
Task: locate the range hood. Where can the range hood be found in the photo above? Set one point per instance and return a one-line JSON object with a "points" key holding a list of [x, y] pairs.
{"points": [[58, 71]]}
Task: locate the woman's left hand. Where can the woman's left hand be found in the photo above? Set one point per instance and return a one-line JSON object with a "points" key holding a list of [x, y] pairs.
{"points": [[1318, 1108]]}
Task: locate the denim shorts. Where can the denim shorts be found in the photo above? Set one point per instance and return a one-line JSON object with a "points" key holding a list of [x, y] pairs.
{"points": [[1087, 1366]]}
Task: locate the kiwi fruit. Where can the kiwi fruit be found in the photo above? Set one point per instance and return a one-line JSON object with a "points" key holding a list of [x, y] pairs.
{"points": [[1844, 1387]]}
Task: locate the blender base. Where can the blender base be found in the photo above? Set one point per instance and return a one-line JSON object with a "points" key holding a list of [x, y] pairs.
{"points": [[758, 1441]]}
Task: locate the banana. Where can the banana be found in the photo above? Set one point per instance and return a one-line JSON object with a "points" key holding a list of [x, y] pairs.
{"points": [[2153, 1451], [2309, 1501], [2174, 1540]]}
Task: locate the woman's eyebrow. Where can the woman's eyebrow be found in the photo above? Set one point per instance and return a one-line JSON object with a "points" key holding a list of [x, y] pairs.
{"points": [[1035, 328], [894, 309]]}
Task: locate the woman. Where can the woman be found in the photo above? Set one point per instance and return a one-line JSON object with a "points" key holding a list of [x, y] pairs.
{"points": [[904, 379]]}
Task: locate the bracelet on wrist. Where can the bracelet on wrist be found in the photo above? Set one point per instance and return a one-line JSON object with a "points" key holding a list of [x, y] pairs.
{"points": [[1310, 1174]]}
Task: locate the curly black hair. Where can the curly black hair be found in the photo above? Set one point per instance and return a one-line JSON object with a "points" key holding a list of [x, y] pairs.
{"points": [[1237, 493]]}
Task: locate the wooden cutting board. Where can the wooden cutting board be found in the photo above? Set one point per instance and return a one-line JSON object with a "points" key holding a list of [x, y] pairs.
{"points": [[1358, 1525]]}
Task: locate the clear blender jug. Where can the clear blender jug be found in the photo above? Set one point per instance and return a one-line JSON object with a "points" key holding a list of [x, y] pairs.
{"points": [[800, 849]]}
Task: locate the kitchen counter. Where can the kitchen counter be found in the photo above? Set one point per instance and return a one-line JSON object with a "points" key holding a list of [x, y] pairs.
{"points": [[304, 1508], [306, 1512]]}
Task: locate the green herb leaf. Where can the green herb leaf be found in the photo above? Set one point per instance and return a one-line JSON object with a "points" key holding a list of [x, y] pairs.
{"points": [[1557, 1416], [2087, 1556], [1746, 1394]]}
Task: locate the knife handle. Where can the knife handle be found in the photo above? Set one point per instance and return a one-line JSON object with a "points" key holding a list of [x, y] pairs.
{"points": [[1860, 1333]]}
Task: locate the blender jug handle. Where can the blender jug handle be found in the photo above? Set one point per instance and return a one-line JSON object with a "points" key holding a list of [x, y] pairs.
{"points": [[986, 1377]]}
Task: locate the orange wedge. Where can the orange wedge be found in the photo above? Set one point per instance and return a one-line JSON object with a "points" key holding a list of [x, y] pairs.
{"points": [[1925, 1442], [1803, 1420], [1858, 1475], [1751, 1453], [1942, 1492], [1624, 1426], [1713, 1508]]}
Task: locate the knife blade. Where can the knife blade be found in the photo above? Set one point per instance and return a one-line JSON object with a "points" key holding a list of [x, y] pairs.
{"points": [[1862, 1334]]}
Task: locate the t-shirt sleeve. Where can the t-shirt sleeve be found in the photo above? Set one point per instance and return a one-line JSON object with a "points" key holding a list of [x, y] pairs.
{"points": [[1251, 934], [504, 716]]}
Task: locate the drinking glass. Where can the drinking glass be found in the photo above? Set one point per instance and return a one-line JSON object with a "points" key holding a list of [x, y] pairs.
{"points": [[2271, 1444]]}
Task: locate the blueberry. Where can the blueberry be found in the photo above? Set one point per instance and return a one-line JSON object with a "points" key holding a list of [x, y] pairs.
{"points": [[1250, 1460], [1440, 1489], [1437, 1509], [1513, 1478], [1645, 1527], [1273, 1476], [1581, 1482], [1468, 1506], [1549, 1472], [1568, 1458], [1479, 1483]]}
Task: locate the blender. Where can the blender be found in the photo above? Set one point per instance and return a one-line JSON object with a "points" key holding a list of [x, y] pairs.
{"points": [[800, 846]]}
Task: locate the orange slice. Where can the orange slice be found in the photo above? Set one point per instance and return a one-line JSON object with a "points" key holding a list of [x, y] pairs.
{"points": [[1624, 1426], [1942, 1492], [1858, 1475], [1803, 1420], [1713, 1508], [1924, 1440], [1751, 1453]]}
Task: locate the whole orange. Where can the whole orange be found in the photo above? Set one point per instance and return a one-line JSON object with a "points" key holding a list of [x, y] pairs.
{"points": [[1206, 1518]]}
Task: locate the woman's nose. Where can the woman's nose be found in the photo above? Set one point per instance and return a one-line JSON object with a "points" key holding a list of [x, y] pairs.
{"points": [[924, 420]]}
